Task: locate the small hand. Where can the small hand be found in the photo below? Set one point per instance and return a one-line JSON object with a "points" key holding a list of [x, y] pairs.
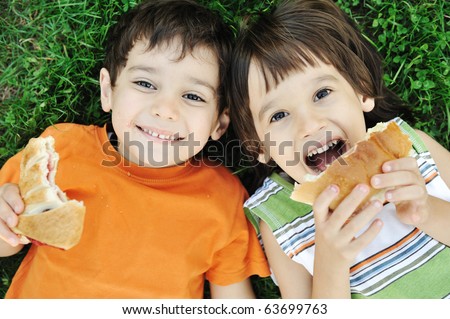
{"points": [[337, 238], [406, 189], [11, 204]]}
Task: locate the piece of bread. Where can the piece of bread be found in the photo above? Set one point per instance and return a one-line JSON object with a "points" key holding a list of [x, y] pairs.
{"points": [[384, 142], [49, 217]]}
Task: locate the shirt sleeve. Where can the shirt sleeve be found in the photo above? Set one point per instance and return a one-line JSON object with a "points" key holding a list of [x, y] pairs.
{"points": [[9, 173], [242, 257]]}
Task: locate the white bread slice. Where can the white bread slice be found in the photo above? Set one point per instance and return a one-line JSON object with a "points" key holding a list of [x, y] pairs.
{"points": [[384, 142], [49, 217]]}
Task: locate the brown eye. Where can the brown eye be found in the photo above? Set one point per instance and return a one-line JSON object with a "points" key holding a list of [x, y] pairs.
{"points": [[321, 94], [145, 84], [194, 97], [278, 116]]}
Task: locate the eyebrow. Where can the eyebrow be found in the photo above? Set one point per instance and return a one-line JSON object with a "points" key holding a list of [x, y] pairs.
{"points": [[147, 69], [327, 77]]}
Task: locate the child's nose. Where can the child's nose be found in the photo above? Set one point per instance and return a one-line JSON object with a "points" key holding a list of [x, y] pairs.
{"points": [[165, 109], [310, 125]]}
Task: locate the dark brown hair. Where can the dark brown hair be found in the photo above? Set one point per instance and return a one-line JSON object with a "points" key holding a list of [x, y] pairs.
{"points": [[289, 38], [161, 21]]}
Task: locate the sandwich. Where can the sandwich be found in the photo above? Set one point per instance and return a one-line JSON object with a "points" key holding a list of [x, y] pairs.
{"points": [[49, 218], [383, 142]]}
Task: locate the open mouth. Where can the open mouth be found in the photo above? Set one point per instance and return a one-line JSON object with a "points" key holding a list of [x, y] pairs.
{"points": [[164, 137], [320, 158]]}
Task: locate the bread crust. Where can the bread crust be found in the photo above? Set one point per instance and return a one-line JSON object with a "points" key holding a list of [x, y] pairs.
{"points": [[59, 227], [357, 166], [49, 217]]}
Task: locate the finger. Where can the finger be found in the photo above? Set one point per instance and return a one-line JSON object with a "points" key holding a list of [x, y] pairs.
{"points": [[8, 236], [7, 214], [321, 206], [401, 164], [348, 205], [407, 193], [358, 222], [11, 204], [368, 236], [11, 196], [395, 179]]}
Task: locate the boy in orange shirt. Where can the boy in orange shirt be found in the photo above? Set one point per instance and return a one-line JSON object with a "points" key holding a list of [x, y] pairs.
{"points": [[158, 221]]}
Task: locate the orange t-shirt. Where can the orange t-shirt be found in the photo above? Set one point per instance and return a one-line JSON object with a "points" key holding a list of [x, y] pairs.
{"points": [[148, 233]]}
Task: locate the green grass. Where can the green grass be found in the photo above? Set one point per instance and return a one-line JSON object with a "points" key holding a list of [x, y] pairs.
{"points": [[414, 39], [51, 53]]}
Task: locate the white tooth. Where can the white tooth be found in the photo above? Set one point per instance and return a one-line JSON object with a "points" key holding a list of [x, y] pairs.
{"points": [[154, 134], [322, 149]]}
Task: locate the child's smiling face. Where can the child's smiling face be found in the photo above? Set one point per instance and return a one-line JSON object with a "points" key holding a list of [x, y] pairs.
{"points": [[164, 108], [309, 119]]}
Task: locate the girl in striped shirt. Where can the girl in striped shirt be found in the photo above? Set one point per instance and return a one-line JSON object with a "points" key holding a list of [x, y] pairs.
{"points": [[307, 85]]}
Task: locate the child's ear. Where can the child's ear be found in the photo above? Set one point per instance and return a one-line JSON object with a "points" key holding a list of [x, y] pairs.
{"points": [[105, 90], [367, 103], [222, 125]]}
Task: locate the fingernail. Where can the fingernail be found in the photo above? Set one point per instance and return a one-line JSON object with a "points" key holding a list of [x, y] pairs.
{"points": [[377, 204], [10, 221], [13, 241], [387, 168], [17, 208], [363, 188], [376, 181], [388, 195], [334, 189]]}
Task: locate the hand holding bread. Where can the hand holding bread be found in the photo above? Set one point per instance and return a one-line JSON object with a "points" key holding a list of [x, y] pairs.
{"points": [[49, 217], [384, 142]]}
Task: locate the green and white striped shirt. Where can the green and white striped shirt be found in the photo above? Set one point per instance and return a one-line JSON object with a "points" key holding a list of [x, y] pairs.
{"points": [[402, 261]]}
